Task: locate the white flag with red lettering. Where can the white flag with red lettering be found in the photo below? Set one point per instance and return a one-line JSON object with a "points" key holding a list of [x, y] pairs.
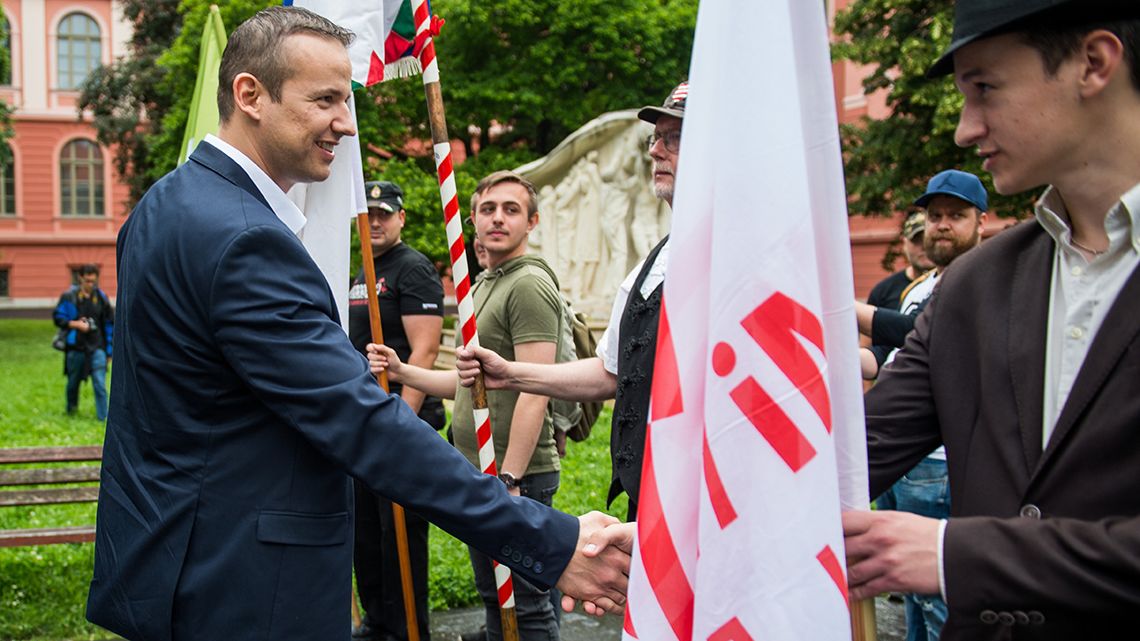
{"points": [[756, 423]]}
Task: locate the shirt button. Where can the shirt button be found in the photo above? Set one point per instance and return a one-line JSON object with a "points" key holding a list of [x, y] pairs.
{"points": [[1076, 271], [1030, 511], [1076, 332]]}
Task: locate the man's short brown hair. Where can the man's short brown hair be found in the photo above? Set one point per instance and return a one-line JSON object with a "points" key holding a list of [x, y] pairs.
{"points": [[255, 47]]}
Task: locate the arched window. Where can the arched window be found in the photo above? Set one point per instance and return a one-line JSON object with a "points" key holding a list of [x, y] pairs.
{"points": [[81, 179], [78, 49], [7, 183]]}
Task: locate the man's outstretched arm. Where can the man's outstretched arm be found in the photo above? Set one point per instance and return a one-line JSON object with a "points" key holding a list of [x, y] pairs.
{"points": [[582, 380]]}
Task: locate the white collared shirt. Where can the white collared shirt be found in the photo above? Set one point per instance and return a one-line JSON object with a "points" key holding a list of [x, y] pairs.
{"points": [[608, 346], [1081, 292], [284, 208]]}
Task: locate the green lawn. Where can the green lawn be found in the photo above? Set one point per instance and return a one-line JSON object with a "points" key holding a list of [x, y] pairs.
{"points": [[43, 589]]}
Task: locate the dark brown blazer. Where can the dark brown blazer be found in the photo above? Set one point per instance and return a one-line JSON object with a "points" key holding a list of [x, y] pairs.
{"points": [[1041, 544]]}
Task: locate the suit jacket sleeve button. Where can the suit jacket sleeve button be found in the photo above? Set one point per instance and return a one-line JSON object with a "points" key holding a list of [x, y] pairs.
{"points": [[506, 551], [1036, 618], [1005, 618], [989, 617], [1021, 617], [538, 567], [1030, 511]]}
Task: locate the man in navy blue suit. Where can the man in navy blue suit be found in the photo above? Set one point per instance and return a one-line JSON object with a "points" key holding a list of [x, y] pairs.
{"points": [[239, 409]]}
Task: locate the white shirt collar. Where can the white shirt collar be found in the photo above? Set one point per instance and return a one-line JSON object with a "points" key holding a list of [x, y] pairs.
{"points": [[282, 207], [1120, 221]]}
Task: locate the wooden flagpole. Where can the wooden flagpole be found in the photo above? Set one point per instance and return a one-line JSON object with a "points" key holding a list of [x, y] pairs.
{"points": [[365, 233], [441, 145], [863, 626]]}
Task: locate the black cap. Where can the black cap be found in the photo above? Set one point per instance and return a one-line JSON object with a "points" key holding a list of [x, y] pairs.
{"points": [[674, 105], [977, 19], [385, 195]]}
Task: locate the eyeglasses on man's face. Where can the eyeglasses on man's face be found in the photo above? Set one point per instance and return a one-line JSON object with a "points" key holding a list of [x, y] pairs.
{"points": [[672, 140]]}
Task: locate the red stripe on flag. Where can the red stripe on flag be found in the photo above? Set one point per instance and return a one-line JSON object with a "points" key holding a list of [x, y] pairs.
{"points": [[506, 589], [831, 565], [375, 70], [771, 326], [773, 424], [731, 631], [627, 625], [658, 552], [665, 395], [721, 504]]}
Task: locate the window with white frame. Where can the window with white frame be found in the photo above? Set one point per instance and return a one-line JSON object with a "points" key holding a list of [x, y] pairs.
{"points": [[81, 179], [78, 49]]}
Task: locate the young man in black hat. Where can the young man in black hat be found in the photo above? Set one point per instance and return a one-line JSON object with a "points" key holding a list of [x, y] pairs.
{"points": [[411, 317], [1025, 363], [623, 369]]}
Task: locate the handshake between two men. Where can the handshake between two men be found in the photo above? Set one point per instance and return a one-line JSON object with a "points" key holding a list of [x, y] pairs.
{"points": [[598, 573]]}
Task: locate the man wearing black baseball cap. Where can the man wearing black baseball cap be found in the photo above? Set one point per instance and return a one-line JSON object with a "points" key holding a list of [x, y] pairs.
{"points": [[1025, 363], [411, 316], [623, 367]]}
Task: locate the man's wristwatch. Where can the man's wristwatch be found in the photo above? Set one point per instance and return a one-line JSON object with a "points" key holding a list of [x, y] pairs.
{"points": [[508, 479]]}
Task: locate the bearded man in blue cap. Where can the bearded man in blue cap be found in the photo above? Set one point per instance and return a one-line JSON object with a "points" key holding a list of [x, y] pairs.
{"points": [[1026, 362]]}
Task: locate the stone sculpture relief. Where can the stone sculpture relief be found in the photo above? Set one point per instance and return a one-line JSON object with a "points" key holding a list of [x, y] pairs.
{"points": [[599, 216]]}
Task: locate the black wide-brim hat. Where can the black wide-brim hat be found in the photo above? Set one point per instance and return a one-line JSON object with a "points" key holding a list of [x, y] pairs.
{"points": [[977, 19]]}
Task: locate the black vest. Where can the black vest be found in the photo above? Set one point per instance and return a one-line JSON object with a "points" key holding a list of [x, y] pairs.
{"points": [[637, 340]]}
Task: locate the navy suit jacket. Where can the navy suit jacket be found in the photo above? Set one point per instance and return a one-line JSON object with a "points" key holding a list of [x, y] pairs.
{"points": [[239, 410]]}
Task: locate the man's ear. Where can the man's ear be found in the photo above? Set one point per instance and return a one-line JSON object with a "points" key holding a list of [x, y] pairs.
{"points": [[532, 222], [1101, 58], [249, 95]]}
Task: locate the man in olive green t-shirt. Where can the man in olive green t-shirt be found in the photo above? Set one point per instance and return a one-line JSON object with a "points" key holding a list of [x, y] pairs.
{"points": [[518, 311]]}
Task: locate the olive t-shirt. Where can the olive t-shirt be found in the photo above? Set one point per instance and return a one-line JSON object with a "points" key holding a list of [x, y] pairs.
{"points": [[515, 303]]}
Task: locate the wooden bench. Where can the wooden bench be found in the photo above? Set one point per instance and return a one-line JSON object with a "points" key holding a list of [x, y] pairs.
{"points": [[25, 486]]}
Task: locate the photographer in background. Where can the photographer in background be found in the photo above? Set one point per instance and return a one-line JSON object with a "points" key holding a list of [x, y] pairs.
{"points": [[86, 313]]}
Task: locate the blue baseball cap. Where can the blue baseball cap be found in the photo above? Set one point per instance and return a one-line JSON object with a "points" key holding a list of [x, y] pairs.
{"points": [[958, 184]]}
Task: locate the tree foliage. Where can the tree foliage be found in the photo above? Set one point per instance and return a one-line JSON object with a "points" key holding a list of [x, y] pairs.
{"points": [[537, 69], [124, 96], [6, 74], [888, 162]]}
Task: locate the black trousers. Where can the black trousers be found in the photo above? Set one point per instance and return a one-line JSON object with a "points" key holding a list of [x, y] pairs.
{"points": [[377, 561]]}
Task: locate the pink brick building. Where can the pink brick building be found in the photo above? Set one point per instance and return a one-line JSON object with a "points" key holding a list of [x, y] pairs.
{"points": [[60, 203]]}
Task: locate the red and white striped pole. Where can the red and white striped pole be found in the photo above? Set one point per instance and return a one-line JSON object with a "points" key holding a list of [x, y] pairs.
{"points": [[425, 51]]}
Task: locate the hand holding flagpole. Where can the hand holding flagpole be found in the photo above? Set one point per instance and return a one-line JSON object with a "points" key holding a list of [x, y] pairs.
{"points": [[425, 48]]}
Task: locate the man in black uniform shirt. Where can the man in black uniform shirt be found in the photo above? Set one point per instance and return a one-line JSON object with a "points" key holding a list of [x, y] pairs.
{"points": [[411, 317]]}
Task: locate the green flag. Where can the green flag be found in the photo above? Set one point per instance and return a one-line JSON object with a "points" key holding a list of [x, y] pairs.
{"points": [[204, 106]]}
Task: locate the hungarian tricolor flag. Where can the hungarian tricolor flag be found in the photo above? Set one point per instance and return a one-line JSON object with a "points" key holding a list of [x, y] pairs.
{"points": [[755, 440], [385, 36]]}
